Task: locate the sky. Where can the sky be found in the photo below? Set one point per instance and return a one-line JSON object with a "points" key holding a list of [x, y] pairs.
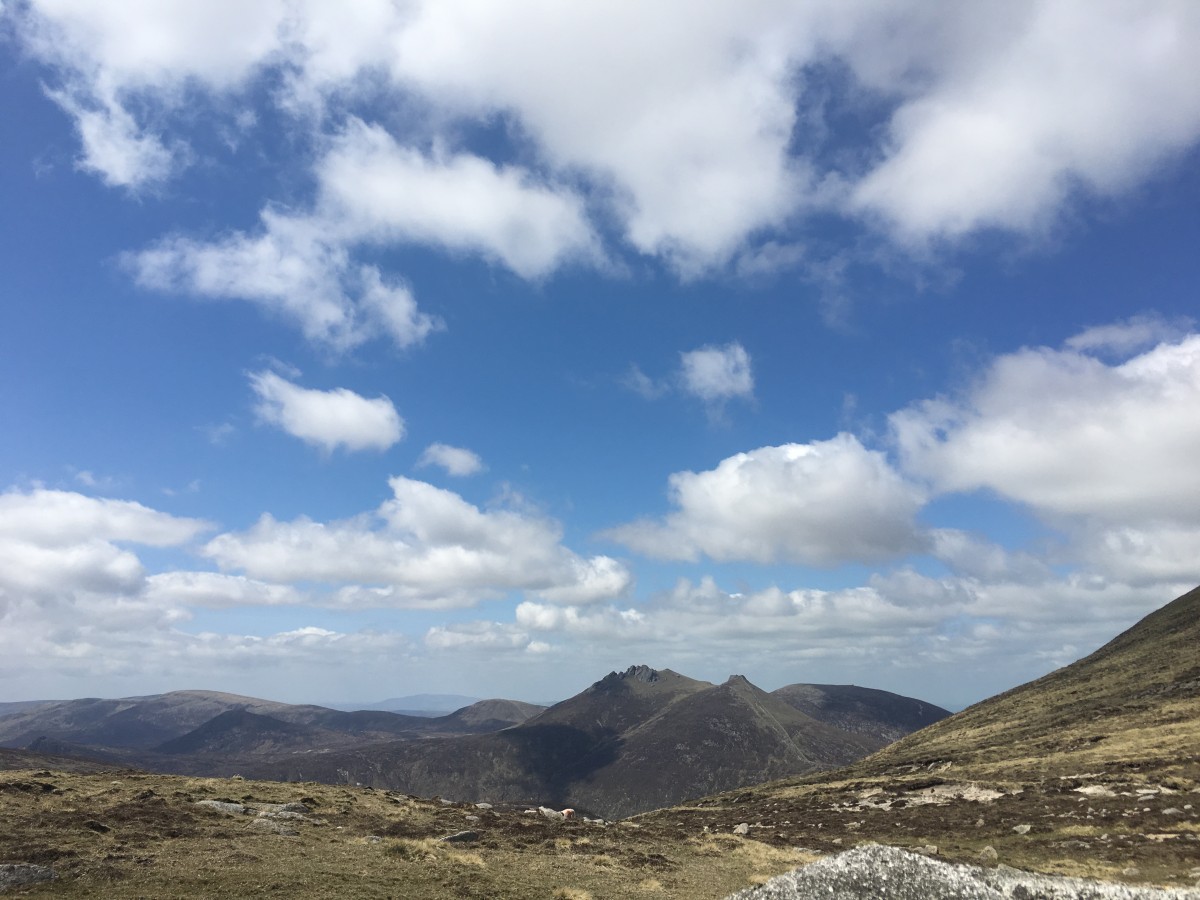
{"points": [[357, 351]]}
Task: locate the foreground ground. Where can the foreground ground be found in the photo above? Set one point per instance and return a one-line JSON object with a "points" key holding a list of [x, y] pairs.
{"points": [[118, 835], [126, 834]]}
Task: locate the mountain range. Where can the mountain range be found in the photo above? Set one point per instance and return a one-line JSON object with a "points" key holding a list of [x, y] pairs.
{"points": [[633, 741]]}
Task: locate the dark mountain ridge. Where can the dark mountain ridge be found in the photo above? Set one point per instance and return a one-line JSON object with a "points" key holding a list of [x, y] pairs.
{"points": [[879, 714], [633, 741]]}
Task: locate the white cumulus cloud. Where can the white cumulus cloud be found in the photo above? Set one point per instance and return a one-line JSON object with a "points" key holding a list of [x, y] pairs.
{"points": [[1070, 435], [60, 548], [327, 419], [373, 189], [823, 503], [292, 270], [426, 548]]}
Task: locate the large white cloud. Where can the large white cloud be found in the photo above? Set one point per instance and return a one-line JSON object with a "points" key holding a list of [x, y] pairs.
{"points": [[327, 419], [686, 137], [213, 590], [374, 189], [426, 547], [1049, 96], [823, 503], [61, 552], [143, 54], [61, 518], [293, 270], [1070, 435]]}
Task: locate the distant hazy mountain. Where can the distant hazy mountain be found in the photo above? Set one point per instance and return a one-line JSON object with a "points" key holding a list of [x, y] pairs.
{"points": [[415, 704], [197, 730], [22, 706]]}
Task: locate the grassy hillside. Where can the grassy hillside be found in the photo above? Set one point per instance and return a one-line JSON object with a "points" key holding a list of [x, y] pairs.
{"points": [[1092, 770], [135, 835]]}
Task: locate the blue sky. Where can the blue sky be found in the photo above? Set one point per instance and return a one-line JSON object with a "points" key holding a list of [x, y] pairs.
{"points": [[486, 348]]}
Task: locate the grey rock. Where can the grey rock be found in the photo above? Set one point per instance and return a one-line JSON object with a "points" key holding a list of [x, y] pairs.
{"points": [[483, 806], [462, 837], [989, 854], [1022, 829], [282, 814], [15, 875], [298, 808], [876, 872], [273, 827], [743, 828], [232, 809]]}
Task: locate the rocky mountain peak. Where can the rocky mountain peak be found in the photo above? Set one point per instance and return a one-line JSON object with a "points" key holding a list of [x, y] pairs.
{"points": [[640, 673]]}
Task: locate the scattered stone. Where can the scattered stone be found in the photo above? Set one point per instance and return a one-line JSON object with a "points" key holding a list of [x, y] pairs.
{"points": [[1095, 790], [15, 875], [471, 818], [483, 806], [274, 827], [445, 802], [928, 850], [282, 814], [742, 828], [222, 806], [1022, 829], [1131, 872], [1172, 812], [461, 837], [989, 854]]}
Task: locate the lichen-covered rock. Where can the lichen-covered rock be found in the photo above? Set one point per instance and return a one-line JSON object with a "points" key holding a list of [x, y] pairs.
{"points": [[877, 872], [15, 875], [223, 806]]}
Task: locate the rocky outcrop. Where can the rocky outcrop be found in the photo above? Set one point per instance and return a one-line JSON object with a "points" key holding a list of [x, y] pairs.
{"points": [[877, 872]]}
